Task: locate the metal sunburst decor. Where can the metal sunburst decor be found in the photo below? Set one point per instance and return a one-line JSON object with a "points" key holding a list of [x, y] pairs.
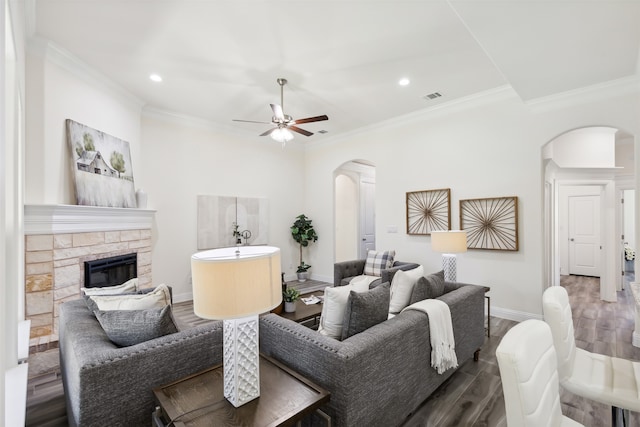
{"points": [[490, 223], [428, 211]]}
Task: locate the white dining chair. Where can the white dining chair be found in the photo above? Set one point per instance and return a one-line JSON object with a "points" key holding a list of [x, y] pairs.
{"points": [[528, 370], [605, 379]]}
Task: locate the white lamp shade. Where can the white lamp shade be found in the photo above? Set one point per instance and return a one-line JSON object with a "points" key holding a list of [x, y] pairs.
{"points": [[230, 285], [449, 242]]}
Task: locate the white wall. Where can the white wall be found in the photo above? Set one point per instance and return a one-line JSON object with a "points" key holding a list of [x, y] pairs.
{"points": [[490, 149], [58, 89], [182, 161], [589, 147], [629, 226], [346, 216], [12, 98], [486, 147]]}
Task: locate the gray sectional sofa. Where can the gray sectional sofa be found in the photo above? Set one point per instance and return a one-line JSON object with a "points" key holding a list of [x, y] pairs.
{"points": [[344, 271], [380, 376], [106, 385]]}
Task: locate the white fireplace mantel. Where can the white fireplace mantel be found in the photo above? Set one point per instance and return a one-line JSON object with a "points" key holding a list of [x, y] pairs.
{"points": [[57, 219]]}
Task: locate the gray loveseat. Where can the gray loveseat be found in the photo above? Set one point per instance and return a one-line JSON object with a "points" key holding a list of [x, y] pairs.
{"points": [[381, 375], [344, 271], [109, 386]]}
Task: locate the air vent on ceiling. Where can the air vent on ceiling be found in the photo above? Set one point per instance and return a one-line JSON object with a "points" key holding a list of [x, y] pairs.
{"points": [[432, 96]]}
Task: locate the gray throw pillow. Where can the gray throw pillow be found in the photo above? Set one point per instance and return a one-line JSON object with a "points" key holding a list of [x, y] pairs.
{"points": [[130, 327], [366, 309], [431, 286]]}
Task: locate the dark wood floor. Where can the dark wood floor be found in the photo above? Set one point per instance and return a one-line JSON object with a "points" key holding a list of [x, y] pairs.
{"points": [[470, 397]]}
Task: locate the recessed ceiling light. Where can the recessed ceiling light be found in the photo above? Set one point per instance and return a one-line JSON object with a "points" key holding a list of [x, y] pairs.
{"points": [[404, 81], [156, 78]]}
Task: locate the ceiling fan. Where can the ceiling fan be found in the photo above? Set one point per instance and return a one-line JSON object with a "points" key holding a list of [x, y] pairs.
{"points": [[284, 123]]}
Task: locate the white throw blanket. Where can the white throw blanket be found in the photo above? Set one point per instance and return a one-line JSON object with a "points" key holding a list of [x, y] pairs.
{"points": [[363, 278], [443, 346]]}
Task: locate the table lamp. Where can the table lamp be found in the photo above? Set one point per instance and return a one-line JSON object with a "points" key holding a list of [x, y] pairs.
{"points": [[235, 285], [449, 243]]}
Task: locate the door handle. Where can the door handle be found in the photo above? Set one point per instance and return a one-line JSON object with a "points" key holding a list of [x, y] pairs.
{"points": [[571, 239]]}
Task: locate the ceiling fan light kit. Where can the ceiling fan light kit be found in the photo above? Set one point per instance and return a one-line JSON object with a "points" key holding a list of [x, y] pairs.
{"points": [[284, 123], [282, 135]]}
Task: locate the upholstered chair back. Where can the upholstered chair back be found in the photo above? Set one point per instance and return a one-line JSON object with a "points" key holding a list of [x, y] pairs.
{"points": [[528, 369], [557, 314]]}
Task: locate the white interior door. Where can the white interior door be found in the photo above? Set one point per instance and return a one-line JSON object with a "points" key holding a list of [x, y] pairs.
{"points": [[367, 217], [584, 235]]}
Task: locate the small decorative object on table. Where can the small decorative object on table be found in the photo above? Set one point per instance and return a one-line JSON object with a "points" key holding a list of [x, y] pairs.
{"points": [[290, 296]]}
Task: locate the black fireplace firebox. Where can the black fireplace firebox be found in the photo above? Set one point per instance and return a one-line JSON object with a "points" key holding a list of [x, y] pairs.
{"points": [[110, 271]]}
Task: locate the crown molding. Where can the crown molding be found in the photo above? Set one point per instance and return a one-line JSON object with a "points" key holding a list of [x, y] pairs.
{"points": [[612, 88], [210, 125], [479, 99], [58, 219], [66, 60]]}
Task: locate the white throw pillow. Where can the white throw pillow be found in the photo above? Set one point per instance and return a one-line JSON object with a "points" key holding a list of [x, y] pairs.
{"points": [[126, 287], [402, 286], [158, 298], [335, 302]]}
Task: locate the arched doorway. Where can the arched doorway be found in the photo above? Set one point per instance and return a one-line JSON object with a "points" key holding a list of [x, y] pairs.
{"points": [[589, 166], [354, 210]]}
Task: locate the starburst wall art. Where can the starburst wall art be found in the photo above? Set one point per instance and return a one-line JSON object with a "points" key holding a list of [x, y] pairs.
{"points": [[490, 223], [428, 211]]}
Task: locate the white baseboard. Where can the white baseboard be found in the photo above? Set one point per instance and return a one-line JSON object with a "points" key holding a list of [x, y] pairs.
{"points": [[24, 328], [186, 296], [15, 395], [516, 316], [320, 278]]}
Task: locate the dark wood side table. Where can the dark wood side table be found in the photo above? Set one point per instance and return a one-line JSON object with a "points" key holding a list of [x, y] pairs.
{"points": [[305, 312], [198, 400]]}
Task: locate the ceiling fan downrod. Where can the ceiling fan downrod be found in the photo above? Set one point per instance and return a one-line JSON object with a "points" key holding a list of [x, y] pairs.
{"points": [[281, 81]]}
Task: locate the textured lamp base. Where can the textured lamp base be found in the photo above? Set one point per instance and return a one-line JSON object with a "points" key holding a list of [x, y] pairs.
{"points": [[241, 360], [449, 267]]}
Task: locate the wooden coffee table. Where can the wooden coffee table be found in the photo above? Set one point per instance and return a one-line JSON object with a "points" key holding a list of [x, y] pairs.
{"points": [[305, 312], [198, 400]]}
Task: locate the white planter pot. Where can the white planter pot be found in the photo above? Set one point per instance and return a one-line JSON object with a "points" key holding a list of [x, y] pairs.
{"points": [[628, 266], [303, 276], [289, 307]]}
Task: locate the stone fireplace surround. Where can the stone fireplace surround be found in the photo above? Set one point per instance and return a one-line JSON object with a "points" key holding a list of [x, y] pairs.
{"points": [[58, 240]]}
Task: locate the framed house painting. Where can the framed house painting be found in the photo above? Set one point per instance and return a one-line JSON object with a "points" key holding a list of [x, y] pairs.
{"points": [[490, 223], [428, 210], [101, 167]]}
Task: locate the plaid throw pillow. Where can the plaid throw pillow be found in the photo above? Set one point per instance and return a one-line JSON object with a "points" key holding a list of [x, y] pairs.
{"points": [[378, 261]]}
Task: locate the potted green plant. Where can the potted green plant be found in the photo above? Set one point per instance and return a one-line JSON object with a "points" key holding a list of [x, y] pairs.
{"points": [[629, 256], [290, 296], [303, 233]]}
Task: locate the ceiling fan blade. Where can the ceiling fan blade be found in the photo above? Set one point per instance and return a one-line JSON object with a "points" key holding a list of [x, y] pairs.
{"points": [[311, 119], [277, 111], [268, 132], [302, 131], [250, 121]]}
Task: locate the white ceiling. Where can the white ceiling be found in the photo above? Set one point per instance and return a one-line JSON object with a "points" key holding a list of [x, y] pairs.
{"points": [[220, 59]]}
